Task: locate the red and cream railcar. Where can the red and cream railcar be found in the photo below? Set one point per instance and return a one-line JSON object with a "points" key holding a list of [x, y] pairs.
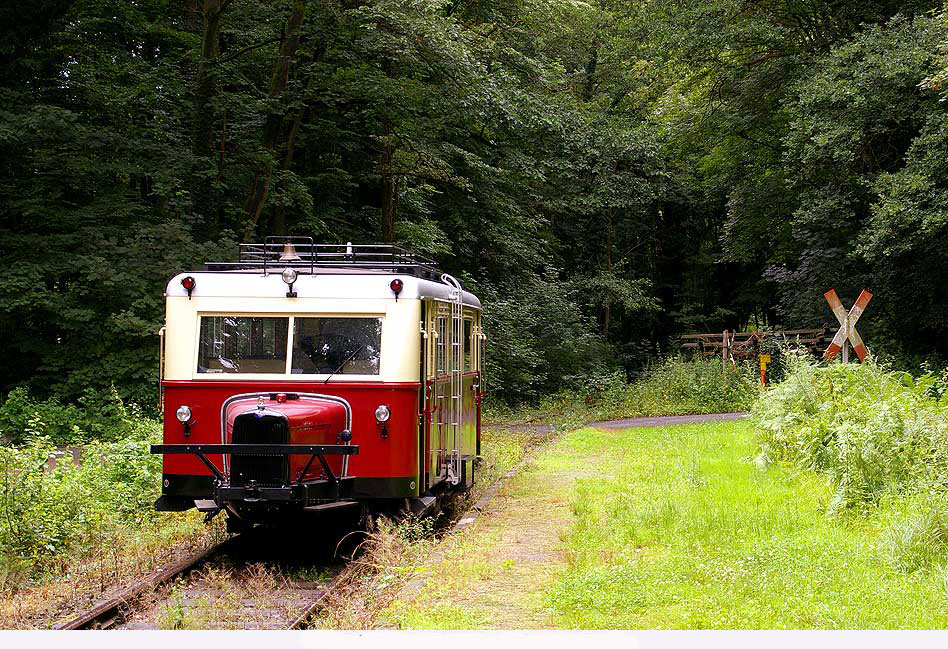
{"points": [[307, 377]]}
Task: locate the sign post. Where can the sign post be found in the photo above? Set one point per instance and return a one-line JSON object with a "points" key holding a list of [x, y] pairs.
{"points": [[764, 360], [847, 326]]}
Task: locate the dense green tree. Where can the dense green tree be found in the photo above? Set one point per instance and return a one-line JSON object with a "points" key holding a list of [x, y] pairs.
{"points": [[606, 174]]}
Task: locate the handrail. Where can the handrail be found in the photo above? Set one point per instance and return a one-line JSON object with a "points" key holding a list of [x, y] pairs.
{"points": [[313, 256]]}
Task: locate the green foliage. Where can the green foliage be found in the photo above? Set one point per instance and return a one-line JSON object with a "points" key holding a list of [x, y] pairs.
{"points": [[102, 416], [681, 386], [674, 386], [678, 529], [874, 432], [57, 503], [537, 340], [920, 540], [667, 166]]}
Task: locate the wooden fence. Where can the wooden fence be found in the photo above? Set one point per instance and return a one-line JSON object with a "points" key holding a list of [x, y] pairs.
{"points": [[747, 344]]}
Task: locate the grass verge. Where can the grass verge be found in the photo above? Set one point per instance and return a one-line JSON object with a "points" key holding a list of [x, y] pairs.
{"points": [[680, 528], [687, 531], [395, 552]]}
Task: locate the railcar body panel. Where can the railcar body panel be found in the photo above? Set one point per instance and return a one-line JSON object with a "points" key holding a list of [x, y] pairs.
{"points": [[386, 467], [405, 365]]}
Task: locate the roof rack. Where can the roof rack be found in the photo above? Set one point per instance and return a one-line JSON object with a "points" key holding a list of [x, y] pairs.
{"points": [[302, 253]]}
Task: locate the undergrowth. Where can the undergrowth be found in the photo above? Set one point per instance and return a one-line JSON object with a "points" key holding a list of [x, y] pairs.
{"points": [[873, 431], [77, 520], [881, 439], [673, 386]]}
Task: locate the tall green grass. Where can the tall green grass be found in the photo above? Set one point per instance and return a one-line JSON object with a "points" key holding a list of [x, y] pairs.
{"points": [[876, 433], [672, 386], [684, 386], [679, 528]]}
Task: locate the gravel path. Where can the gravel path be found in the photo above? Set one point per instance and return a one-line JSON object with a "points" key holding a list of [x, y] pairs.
{"points": [[652, 422]]}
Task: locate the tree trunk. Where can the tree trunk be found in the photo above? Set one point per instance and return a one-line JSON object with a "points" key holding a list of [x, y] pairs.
{"points": [[389, 193], [206, 86], [607, 307], [205, 90], [590, 86], [279, 213], [260, 187]]}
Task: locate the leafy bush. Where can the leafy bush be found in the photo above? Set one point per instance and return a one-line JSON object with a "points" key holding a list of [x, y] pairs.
{"points": [[51, 505], [680, 386], [54, 507], [538, 340], [101, 416], [872, 430]]}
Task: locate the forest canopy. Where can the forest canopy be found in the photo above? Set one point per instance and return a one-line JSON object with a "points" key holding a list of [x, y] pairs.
{"points": [[604, 174]]}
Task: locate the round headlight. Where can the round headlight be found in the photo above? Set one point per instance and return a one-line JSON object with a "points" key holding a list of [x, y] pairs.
{"points": [[382, 413], [289, 275], [183, 414]]}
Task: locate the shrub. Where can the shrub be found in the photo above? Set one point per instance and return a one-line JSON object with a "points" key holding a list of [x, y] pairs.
{"points": [[101, 416], [680, 386], [51, 506], [873, 431]]}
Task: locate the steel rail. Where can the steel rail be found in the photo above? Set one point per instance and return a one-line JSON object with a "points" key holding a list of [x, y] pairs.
{"points": [[101, 611], [302, 621]]}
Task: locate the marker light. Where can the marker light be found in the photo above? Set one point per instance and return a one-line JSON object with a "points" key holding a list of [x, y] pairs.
{"points": [[189, 283], [382, 413], [397, 285], [183, 414]]}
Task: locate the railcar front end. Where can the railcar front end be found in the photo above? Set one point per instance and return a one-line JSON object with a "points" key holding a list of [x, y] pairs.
{"points": [[358, 385]]}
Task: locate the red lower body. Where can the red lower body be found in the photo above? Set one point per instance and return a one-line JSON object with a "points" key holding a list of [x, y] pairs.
{"points": [[388, 464]]}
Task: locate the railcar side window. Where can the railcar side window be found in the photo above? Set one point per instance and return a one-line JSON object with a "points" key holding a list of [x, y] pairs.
{"points": [[468, 364], [242, 345], [340, 345]]}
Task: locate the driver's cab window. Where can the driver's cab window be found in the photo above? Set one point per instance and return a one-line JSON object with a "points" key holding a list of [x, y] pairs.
{"points": [[336, 345]]}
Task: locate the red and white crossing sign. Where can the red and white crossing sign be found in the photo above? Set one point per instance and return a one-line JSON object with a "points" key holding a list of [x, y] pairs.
{"points": [[847, 325]]}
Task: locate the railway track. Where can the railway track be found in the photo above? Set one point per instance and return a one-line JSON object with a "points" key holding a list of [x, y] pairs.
{"points": [[234, 584]]}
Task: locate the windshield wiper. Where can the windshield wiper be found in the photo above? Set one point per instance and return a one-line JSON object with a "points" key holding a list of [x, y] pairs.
{"points": [[344, 363]]}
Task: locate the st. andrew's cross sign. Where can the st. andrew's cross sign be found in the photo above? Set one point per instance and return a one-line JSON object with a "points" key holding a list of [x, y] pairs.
{"points": [[847, 326]]}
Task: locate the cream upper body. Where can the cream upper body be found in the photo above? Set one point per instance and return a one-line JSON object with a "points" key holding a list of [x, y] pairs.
{"points": [[323, 295]]}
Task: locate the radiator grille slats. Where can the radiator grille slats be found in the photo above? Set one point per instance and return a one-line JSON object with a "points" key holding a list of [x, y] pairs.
{"points": [[260, 427]]}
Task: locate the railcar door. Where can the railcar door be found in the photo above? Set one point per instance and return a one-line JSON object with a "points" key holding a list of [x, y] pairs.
{"points": [[452, 384], [439, 388]]}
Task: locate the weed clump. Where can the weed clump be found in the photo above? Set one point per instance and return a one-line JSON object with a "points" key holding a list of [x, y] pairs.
{"points": [[872, 430], [920, 541], [673, 386]]}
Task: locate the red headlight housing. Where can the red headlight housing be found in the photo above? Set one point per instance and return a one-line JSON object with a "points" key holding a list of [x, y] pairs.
{"points": [[397, 285], [189, 283]]}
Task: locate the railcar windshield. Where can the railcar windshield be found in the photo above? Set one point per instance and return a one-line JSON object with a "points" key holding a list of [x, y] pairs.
{"points": [[242, 345], [319, 345], [336, 345]]}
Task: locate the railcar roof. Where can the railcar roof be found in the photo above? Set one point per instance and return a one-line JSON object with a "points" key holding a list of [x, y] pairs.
{"points": [[322, 283]]}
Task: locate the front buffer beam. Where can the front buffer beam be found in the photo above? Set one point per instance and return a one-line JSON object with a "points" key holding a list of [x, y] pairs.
{"points": [[306, 493]]}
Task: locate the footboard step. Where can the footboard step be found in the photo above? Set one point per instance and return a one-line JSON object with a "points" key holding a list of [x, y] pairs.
{"points": [[421, 506], [333, 505]]}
